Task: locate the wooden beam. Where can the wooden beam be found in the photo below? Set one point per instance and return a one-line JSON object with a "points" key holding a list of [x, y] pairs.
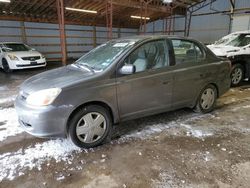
{"points": [[23, 32], [60, 12]]}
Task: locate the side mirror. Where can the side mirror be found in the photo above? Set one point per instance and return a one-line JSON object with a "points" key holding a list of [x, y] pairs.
{"points": [[33, 49], [127, 69]]}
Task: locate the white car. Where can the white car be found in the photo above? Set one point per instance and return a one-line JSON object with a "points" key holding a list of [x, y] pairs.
{"points": [[236, 47], [19, 56]]}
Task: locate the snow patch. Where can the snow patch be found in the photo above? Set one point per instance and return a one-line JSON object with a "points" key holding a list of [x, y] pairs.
{"points": [[165, 181], [240, 107], [149, 130], [12, 164], [195, 133], [7, 100], [157, 128], [9, 125]]}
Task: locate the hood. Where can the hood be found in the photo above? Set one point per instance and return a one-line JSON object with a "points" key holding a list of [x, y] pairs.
{"points": [[222, 50], [56, 78], [25, 53]]}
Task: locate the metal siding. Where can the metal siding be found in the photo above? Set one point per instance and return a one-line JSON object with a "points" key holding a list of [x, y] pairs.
{"points": [[242, 4], [79, 38], [206, 28], [240, 23], [4, 30]]}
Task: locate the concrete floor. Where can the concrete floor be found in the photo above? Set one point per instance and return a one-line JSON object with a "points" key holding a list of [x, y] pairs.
{"points": [[175, 149]]}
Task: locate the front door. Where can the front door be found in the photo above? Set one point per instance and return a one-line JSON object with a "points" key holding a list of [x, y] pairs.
{"points": [[149, 89]]}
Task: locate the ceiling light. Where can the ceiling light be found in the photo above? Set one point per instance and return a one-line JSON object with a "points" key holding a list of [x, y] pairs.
{"points": [[167, 1], [140, 17], [81, 10], [4, 1]]}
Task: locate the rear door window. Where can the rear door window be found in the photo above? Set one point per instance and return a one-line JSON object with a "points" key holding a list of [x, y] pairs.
{"points": [[186, 51]]}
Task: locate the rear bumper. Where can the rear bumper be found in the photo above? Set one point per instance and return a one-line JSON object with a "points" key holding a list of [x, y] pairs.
{"points": [[224, 86]]}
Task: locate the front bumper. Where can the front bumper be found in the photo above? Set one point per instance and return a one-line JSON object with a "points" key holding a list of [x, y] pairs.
{"points": [[48, 121], [25, 64]]}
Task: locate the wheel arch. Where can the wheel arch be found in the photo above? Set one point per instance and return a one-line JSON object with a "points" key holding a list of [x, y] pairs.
{"points": [[210, 83], [98, 103]]}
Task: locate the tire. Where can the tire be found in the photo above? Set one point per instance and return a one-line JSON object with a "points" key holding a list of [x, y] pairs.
{"points": [[83, 132], [237, 74], [6, 67], [206, 100]]}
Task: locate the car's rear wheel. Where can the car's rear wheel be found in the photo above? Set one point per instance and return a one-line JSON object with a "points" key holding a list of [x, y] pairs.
{"points": [[237, 74], [6, 66], [90, 126], [206, 100]]}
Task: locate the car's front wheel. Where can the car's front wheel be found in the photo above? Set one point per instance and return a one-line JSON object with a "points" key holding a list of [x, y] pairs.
{"points": [[6, 66], [90, 126], [206, 100], [237, 74]]}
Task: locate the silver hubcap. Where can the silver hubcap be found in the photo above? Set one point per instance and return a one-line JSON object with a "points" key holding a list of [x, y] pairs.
{"points": [[91, 127], [207, 98], [236, 75]]}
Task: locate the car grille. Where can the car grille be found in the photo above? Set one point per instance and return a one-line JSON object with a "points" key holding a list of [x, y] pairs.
{"points": [[31, 58]]}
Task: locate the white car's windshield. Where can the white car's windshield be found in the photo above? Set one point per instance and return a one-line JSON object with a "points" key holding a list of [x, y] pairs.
{"points": [[241, 40], [16, 47], [225, 40], [103, 56]]}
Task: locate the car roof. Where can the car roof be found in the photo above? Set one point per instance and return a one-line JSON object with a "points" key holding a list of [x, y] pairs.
{"points": [[137, 38]]}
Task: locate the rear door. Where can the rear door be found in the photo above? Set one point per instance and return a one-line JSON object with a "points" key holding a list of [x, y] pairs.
{"points": [[149, 89], [192, 71]]}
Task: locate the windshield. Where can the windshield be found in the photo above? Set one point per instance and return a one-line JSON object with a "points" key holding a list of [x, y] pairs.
{"points": [[16, 47], [103, 56], [226, 39], [241, 40]]}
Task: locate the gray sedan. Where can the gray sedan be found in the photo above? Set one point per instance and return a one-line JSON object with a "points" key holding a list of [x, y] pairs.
{"points": [[122, 79]]}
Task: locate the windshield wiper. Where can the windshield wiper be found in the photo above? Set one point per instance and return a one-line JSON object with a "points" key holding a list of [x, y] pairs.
{"points": [[84, 65]]}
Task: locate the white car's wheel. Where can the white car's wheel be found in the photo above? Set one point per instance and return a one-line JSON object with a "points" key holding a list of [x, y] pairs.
{"points": [[237, 74], [6, 66]]}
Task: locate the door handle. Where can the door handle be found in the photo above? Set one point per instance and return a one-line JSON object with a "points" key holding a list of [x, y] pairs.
{"points": [[202, 75], [205, 75], [165, 82]]}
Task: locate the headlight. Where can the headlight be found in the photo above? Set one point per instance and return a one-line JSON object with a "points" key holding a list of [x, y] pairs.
{"points": [[12, 57], [43, 97], [43, 56]]}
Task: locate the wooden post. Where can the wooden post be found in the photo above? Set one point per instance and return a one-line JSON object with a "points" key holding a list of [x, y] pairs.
{"points": [[109, 19], [23, 32], [60, 12]]}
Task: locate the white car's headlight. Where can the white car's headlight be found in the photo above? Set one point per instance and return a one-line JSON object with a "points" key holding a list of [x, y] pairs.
{"points": [[43, 56], [12, 57], [43, 97]]}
